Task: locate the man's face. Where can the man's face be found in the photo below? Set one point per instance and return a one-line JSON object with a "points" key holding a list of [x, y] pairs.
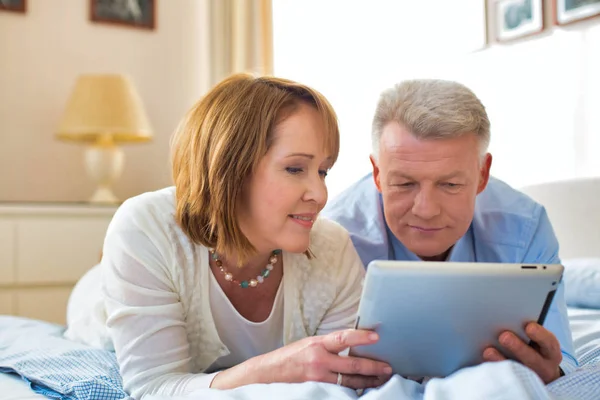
{"points": [[429, 188]]}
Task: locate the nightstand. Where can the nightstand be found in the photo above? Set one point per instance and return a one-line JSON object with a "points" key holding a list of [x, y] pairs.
{"points": [[44, 250]]}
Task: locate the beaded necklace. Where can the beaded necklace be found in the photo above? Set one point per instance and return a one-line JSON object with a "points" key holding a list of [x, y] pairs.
{"points": [[250, 282]]}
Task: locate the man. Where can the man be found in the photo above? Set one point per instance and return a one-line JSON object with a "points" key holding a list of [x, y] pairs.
{"points": [[431, 197]]}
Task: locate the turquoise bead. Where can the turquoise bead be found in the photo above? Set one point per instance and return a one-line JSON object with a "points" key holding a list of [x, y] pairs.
{"points": [[266, 273], [277, 251], [244, 284]]}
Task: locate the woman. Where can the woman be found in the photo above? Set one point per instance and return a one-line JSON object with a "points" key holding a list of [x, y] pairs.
{"points": [[229, 278]]}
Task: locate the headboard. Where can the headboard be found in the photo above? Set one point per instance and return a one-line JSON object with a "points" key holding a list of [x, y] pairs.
{"points": [[574, 210]]}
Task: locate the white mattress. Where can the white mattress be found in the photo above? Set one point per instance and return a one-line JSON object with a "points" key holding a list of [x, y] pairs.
{"points": [[13, 387]]}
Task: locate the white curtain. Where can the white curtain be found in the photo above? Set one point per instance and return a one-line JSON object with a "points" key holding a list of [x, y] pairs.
{"points": [[241, 38]]}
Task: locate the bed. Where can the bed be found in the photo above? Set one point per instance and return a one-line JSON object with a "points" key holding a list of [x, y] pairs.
{"points": [[14, 388], [573, 209]]}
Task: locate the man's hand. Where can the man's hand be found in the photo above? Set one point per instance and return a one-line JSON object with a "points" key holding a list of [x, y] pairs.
{"points": [[543, 357]]}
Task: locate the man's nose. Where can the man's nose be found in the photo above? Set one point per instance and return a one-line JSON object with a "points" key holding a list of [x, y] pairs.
{"points": [[426, 205]]}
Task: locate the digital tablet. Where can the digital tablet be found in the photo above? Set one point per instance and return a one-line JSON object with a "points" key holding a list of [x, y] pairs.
{"points": [[434, 318]]}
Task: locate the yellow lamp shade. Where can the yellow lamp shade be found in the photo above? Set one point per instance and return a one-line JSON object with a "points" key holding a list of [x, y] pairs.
{"points": [[104, 108]]}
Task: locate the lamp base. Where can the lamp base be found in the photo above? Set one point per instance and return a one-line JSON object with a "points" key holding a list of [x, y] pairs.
{"points": [[103, 195], [104, 164]]}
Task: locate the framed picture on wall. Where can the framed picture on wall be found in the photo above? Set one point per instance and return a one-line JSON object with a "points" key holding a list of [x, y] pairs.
{"points": [[568, 11], [518, 18], [131, 13], [13, 5]]}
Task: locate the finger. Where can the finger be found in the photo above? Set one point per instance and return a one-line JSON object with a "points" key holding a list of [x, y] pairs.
{"points": [[491, 354], [547, 343], [360, 381], [341, 340], [526, 354], [546, 369], [360, 366]]}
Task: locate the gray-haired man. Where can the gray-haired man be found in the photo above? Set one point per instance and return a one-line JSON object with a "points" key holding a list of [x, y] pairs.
{"points": [[431, 197]]}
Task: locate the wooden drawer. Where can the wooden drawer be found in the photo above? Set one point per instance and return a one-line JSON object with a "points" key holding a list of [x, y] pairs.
{"points": [[44, 250], [7, 252], [58, 250], [47, 304]]}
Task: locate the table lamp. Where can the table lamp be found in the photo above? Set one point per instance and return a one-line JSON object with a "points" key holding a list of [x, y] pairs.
{"points": [[103, 112]]}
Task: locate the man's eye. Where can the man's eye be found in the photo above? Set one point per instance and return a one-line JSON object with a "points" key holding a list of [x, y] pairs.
{"points": [[452, 186], [293, 170]]}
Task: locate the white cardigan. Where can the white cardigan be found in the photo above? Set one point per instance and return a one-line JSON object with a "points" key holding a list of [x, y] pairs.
{"points": [[155, 302]]}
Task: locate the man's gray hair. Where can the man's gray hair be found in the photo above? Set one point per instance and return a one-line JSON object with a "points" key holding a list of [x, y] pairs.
{"points": [[432, 109]]}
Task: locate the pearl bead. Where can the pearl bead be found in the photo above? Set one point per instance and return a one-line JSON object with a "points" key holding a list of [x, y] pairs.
{"points": [[251, 282]]}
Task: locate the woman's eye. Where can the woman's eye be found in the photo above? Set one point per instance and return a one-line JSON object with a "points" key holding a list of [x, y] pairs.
{"points": [[323, 172], [293, 170]]}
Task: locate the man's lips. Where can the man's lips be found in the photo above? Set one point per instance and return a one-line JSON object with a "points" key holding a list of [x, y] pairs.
{"points": [[425, 228]]}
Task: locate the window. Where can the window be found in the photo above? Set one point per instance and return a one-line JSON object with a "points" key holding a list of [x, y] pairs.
{"points": [[352, 50]]}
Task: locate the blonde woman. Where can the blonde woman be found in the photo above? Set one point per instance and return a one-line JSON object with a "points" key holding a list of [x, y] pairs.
{"points": [[230, 278]]}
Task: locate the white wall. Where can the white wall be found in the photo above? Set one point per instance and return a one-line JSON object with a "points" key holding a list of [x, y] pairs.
{"points": [[543, 100], [542, 94], [44, 50]]}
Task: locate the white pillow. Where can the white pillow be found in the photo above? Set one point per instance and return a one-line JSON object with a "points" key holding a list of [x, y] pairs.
{"points": [[582, 282]]}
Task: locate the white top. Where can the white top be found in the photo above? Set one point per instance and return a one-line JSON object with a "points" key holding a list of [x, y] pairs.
{"points": [[155, 310], [244, 339]]}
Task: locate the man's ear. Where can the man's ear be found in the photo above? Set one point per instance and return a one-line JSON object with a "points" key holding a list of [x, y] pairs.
{"points": [[376, 173], [484, 172]]}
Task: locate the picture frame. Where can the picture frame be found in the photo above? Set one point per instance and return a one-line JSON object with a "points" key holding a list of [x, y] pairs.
{"points": [[139, 14], [19, 6], [570, 11], [516, 19]]}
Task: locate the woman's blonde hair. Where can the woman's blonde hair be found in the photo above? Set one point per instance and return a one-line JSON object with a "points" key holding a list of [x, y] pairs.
{"points": [[218, 145]]}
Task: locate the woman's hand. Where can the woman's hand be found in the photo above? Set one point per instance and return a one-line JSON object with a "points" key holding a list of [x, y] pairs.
{"points": [[311, 359]]}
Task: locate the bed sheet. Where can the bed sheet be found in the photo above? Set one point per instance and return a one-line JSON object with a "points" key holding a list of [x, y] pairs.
{"points": [[501, 381], [12, 387], [585, 326], [511, 380]]}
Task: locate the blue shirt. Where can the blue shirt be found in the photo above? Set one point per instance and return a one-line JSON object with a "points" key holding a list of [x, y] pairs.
{"points": [[507, 227]]}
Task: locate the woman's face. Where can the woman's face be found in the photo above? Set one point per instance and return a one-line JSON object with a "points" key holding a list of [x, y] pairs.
{"points": [[287, 191]]}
